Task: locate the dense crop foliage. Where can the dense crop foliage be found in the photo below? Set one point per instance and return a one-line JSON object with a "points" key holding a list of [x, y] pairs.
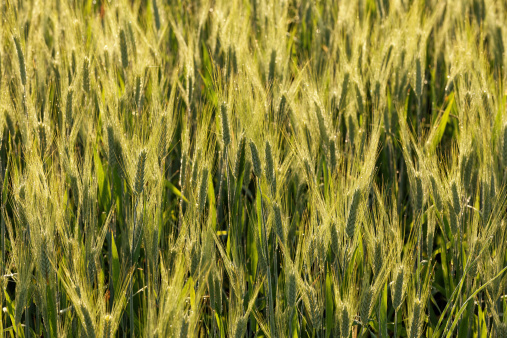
{"points": [[297, 168]]}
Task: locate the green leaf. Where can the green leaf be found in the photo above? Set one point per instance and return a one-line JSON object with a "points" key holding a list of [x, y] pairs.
{"points": [[175, 190], [383, 312], [439, 129], [104, 193], [116, 264], [51, 310], [329, 304], [10, 309]]}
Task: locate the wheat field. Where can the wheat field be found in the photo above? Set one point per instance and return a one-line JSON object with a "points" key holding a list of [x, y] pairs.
{"points": [[253, 168]]}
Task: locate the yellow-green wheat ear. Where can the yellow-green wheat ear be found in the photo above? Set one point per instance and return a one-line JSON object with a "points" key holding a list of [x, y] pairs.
{"points": [[106, 330], [88, 321], [86, 75]]}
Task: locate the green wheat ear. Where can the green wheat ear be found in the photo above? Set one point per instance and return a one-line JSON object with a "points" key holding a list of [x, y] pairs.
{"points": [[332, 155], [504, 150], [140, 177], [278, 223], [162, 143], [437, 198], [345, 322], [366, 301], [291, 289], [398, 288], [335, 246], [378, 257], [419, 192], [353, 209], [240, 329], [415, 325], [203, 190], [21, 59], [239, 163], [156, 14], [272, 65], [226, 135], [270, 168], [68, 108], [124, 49], [256, 161]]}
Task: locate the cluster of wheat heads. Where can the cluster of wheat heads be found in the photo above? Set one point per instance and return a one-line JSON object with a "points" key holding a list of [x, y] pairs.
{"points": [[253, 168]]}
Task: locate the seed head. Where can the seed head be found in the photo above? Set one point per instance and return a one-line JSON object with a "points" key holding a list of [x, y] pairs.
{"points": [[21, 59], [123, 49], [332, 155], [156, 14], [239, 165], [226, 135], [455, 197], [272, 64], [240, 327], [106, 331], [278, 223], [377, 253], [418, 79], [88, 321], [162, 143], [140, 172], [86, 75], [351, 218], [291, 289], [68, 111], [419, 193], [415, 326], [334, 239], [270, 168], [345, 322], [256, 161], [504, 152], [437, 198], [398, 289], [366, 300], [203, 191], [345, 87]]}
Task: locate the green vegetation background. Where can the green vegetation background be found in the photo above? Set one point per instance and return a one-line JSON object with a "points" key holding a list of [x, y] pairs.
{"points": [[258, 168]]}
